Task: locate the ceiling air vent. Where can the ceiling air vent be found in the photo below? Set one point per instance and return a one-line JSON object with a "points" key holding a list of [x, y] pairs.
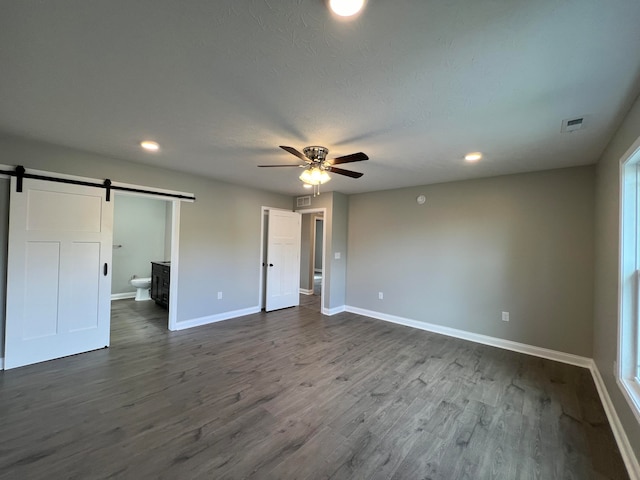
{"points": [[572, 124], [303, 201]]}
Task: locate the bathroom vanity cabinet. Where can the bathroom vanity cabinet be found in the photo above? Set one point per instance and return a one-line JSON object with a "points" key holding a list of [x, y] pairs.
{"points": [[160, 279]]}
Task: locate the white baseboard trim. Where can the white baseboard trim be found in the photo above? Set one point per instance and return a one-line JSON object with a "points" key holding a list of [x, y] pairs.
{"points": [[305, 291], [197, 322], [628, 456], [333, 311], [478, 338], [123, 296]]}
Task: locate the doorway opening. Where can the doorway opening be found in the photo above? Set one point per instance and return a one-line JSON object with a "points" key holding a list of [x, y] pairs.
{"points": [[311, 261], [142, 240], [314, 276]]}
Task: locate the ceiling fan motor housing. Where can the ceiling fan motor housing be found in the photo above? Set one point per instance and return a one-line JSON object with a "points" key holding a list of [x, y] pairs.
{"points": [[315, 153]]}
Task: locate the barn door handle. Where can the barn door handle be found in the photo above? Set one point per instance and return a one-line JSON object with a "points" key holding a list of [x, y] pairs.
{"points": [[105, 269]]}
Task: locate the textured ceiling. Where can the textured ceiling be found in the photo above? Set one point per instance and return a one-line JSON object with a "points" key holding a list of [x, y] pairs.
{"points": [[415, 84]]}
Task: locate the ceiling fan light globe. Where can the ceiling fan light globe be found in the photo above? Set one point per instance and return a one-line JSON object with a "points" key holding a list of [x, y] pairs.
{"points": [[324, 177], [306, 177], [314, 176]]}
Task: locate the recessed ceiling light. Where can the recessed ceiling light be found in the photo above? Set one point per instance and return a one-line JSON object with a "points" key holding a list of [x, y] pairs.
{"points": [[346, 8], [150, 146], [473, 156]]}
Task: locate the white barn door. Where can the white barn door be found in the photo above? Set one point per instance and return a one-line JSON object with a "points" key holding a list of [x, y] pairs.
{"points": [[283, 260], [58, 273]]}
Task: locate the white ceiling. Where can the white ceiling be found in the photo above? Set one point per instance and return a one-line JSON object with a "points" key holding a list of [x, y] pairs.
{"points": [[415, 84]]}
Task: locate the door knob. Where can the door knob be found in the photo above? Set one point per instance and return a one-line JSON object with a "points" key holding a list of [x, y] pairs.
{"points": [[271, 264]]}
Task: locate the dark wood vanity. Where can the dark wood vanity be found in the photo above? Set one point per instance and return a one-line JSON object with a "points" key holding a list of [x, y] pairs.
{"points": [[160, 279]]}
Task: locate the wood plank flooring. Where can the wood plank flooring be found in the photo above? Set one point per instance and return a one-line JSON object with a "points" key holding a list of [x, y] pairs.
{"points": [[313, 301], [295, 395]]}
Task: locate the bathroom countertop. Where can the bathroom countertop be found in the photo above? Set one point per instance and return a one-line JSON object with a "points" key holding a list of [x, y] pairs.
{"points": [[167, 264]]}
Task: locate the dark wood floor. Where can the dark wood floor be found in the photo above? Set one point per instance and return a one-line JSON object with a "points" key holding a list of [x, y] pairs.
{"points": [[310, 301], [313, 301], [295, 395]]}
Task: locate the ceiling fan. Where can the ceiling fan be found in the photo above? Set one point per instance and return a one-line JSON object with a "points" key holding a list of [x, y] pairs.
{"points": [[317, 167]]}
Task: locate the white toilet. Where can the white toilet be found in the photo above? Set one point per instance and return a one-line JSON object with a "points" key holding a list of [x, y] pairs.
{"points": [[143, 286]]}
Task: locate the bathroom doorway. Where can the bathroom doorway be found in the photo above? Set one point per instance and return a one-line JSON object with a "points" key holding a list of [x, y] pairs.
{"points": [[144, 227]]}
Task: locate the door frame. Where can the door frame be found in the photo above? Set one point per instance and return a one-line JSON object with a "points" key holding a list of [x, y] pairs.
{"points": [[174, 257], [175, 233], [323, 210], [324, 284]]}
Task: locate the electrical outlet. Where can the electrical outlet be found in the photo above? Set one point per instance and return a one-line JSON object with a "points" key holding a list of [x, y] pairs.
{"points": [[380, 295], [219, 295], [505, 316], [337, 255]]}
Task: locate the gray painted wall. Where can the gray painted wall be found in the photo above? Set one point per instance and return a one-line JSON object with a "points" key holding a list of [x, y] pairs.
{"points": [[219, 233], [317, 261], [607, 239], [339, 229], [139, 225], [168, 227], [517, 243]]}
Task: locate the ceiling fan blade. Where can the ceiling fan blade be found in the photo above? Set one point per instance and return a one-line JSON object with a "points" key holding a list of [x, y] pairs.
{"points": [[354, 157], [295, 152], [347, 173], [276, 166]]}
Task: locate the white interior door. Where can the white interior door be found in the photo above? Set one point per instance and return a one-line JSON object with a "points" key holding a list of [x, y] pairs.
{"points": [[58, 272], [283, 260]]}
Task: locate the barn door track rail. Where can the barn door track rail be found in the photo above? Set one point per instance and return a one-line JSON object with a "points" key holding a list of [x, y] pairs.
{"points": [[20, 173]]}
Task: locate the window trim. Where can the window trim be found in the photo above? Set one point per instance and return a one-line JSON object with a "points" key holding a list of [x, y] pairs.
{"points": [[627, 367]]}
